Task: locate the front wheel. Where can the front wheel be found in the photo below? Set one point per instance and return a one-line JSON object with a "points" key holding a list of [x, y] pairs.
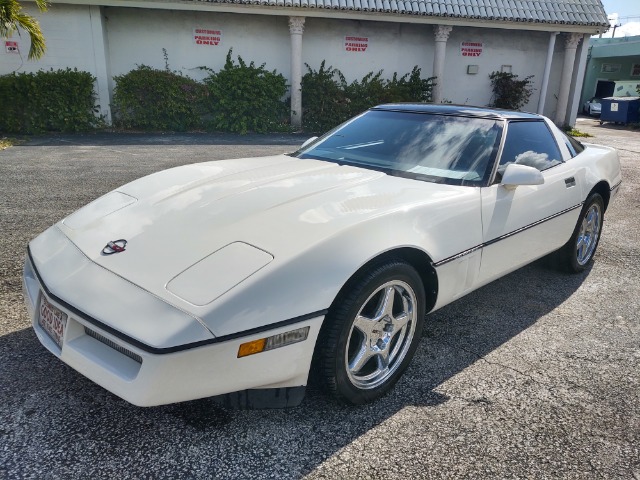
{"points": [[371, 333], [576, 254]]}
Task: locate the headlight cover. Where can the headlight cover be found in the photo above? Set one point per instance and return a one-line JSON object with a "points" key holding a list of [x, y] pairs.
{"points": [[216, 274], [99, 208]]}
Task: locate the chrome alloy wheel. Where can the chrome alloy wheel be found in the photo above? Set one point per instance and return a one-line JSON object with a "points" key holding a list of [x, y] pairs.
{"points": [[381, 335], [588, 235]]}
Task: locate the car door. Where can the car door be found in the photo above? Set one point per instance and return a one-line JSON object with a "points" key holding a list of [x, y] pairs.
{"points": [[525, 222]]}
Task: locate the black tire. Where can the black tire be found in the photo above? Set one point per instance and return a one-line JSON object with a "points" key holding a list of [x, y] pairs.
{"points": [[360, 307], [578, 252]]}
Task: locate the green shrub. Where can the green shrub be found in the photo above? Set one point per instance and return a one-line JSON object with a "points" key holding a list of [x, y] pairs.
{"points": [[363, 94], [245, 98], [5, 142], [411, 87], [328, 99], [508, 91], [152, 99], [60, 100], [574, 132], [324, 101], [239, 98]]}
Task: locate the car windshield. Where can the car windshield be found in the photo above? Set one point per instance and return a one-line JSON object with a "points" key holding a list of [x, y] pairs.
{"points": [[438, 148]]}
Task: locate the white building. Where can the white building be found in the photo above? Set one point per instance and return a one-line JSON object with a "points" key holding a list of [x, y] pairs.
{"points": [[459, 41]]}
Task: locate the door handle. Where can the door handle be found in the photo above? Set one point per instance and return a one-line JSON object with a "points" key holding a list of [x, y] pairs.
{"points": [[570, 182]]}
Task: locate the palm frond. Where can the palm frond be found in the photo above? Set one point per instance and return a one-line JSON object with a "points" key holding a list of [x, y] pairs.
{"points": [[43, 5], [12, 19]]}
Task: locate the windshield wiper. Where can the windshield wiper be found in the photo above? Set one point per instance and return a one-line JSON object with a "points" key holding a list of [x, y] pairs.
{"points": [[362, 145]]}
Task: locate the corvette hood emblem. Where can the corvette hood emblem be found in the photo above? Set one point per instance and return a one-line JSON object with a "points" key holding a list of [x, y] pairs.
{"points": [[114, 246]]}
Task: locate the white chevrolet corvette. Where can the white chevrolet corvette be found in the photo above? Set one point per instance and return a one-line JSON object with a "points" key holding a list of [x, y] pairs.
{"points": [[243, 278]]}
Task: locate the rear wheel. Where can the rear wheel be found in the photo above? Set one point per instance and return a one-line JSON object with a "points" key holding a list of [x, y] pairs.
{"points": [[576, 254], [371, 333]]}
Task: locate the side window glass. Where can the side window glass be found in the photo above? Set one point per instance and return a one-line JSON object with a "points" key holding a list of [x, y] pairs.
{"points": [[574, 146], [531, 144], [569, 145]]}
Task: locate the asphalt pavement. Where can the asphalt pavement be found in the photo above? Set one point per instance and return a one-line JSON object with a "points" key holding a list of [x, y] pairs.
{"points": [[536, 375]]}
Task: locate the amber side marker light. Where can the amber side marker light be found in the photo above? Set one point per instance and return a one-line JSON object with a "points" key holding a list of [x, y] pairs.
{"points": [[273, 342]]}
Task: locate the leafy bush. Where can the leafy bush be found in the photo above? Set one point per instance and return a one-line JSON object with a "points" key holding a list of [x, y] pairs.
{"points": [[574, 132], [239, 98], [324, 101], [328, 100], [246, 98], [5, 142], [411, 87], [374, 90], [508, 91], [369, 91], [152, 99], [60, 100]]}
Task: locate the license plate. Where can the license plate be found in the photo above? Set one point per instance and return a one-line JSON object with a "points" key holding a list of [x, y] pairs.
{"points": [[52, 320]]}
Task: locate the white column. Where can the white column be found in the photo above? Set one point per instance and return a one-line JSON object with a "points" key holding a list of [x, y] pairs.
{"points": [[101, 58], [441, 33], [547, 72], [570, 47], [296, 29], [578, 80]]}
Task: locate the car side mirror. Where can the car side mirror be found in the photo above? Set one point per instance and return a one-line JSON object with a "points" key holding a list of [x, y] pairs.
{"points": [[307, 142], [515, 175]]}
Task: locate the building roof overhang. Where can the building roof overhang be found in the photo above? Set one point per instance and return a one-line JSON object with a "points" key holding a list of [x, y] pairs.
{"points": [[590, 19]]}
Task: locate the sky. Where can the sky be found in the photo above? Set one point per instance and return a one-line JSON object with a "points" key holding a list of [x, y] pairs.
{"points": [[625, 13]]}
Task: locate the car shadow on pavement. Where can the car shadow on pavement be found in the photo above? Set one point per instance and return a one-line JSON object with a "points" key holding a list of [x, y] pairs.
{"points": [[49, 407]]}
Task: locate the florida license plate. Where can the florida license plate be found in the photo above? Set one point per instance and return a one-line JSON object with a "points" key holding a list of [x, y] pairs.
{"points": [[52, 321]]}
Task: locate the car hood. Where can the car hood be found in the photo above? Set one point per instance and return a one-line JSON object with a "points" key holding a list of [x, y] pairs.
{"points": [[269, 208]]}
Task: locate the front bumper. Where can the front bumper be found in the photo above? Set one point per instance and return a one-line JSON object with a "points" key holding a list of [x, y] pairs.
{"points": [[146, 378]]}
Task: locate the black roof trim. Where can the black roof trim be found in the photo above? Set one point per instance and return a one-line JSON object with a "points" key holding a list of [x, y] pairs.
{"points": [[458, 110]]}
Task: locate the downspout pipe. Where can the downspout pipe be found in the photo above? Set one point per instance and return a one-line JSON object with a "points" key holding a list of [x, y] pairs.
{"points": [[547, 72]]}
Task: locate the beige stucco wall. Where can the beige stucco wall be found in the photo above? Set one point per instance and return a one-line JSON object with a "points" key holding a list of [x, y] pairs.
{"points": [[134, 36], [67, 30]]}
